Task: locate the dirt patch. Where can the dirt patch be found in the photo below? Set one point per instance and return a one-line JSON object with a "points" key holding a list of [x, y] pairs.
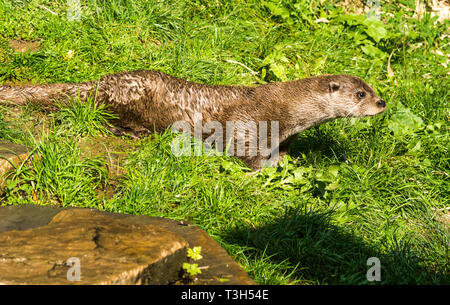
{"points": [[443, 216], [23, 46], [114, 151], [26, 119], [18, 83], [352, 6]]}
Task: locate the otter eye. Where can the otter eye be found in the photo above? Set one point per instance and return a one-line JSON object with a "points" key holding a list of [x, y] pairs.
{"points": [[361, 94]]}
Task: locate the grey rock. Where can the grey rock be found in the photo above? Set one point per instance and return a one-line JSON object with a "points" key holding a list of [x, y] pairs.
{"points": [[11, 155], [36, 242], [108, 251]]}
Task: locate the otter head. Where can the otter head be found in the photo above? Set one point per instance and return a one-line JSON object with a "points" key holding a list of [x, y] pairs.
{"points": [[350, 96]]}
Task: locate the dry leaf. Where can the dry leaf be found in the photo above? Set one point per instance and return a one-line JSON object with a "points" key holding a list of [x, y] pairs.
{"points": [[415, 46], [440, 9], [438, 52], [325, 20], [420, 9], [389, 69]]}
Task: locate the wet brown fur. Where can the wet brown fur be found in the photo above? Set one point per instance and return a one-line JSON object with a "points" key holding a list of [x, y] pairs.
{"points": [[147, 101]]}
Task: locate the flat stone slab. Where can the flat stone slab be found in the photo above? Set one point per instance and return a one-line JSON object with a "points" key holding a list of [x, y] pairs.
{"points": [[11, 153], [107, 250], [36, 241]]}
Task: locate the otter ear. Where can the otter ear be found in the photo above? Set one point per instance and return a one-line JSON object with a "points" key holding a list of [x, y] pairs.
{"points": [[333, 86]]}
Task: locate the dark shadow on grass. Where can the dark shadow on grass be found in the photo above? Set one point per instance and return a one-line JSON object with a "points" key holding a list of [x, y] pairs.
{"points": [[326, 254], [316, 142]]}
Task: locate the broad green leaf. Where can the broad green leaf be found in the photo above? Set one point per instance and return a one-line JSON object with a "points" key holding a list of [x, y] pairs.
{"points": [[192, 269], [351, 19], [375, 29], [373, 51], [279, 71], [404, 122], [277, 10], [333, 170], [195, 253]]}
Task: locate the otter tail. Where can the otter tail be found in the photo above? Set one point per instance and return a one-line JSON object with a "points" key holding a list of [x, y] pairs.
{"points": [[45, 95]]}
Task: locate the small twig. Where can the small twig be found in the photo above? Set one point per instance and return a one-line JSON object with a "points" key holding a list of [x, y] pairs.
{"points": [[203, 267], [241, 64], [389, 69], [440, 173], [48, 10], [443, 209]]}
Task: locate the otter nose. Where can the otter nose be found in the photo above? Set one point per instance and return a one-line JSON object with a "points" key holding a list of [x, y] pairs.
{"points": [[381, 103]]}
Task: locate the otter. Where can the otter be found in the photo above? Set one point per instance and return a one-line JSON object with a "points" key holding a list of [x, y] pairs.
{"points": [[151, 101]]}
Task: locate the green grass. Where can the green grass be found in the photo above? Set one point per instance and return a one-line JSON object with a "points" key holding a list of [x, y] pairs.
{"points": [[350, 190]]}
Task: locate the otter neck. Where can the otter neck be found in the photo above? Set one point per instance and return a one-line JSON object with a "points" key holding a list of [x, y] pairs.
{"points": [[310, 119], [303, 108]]}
